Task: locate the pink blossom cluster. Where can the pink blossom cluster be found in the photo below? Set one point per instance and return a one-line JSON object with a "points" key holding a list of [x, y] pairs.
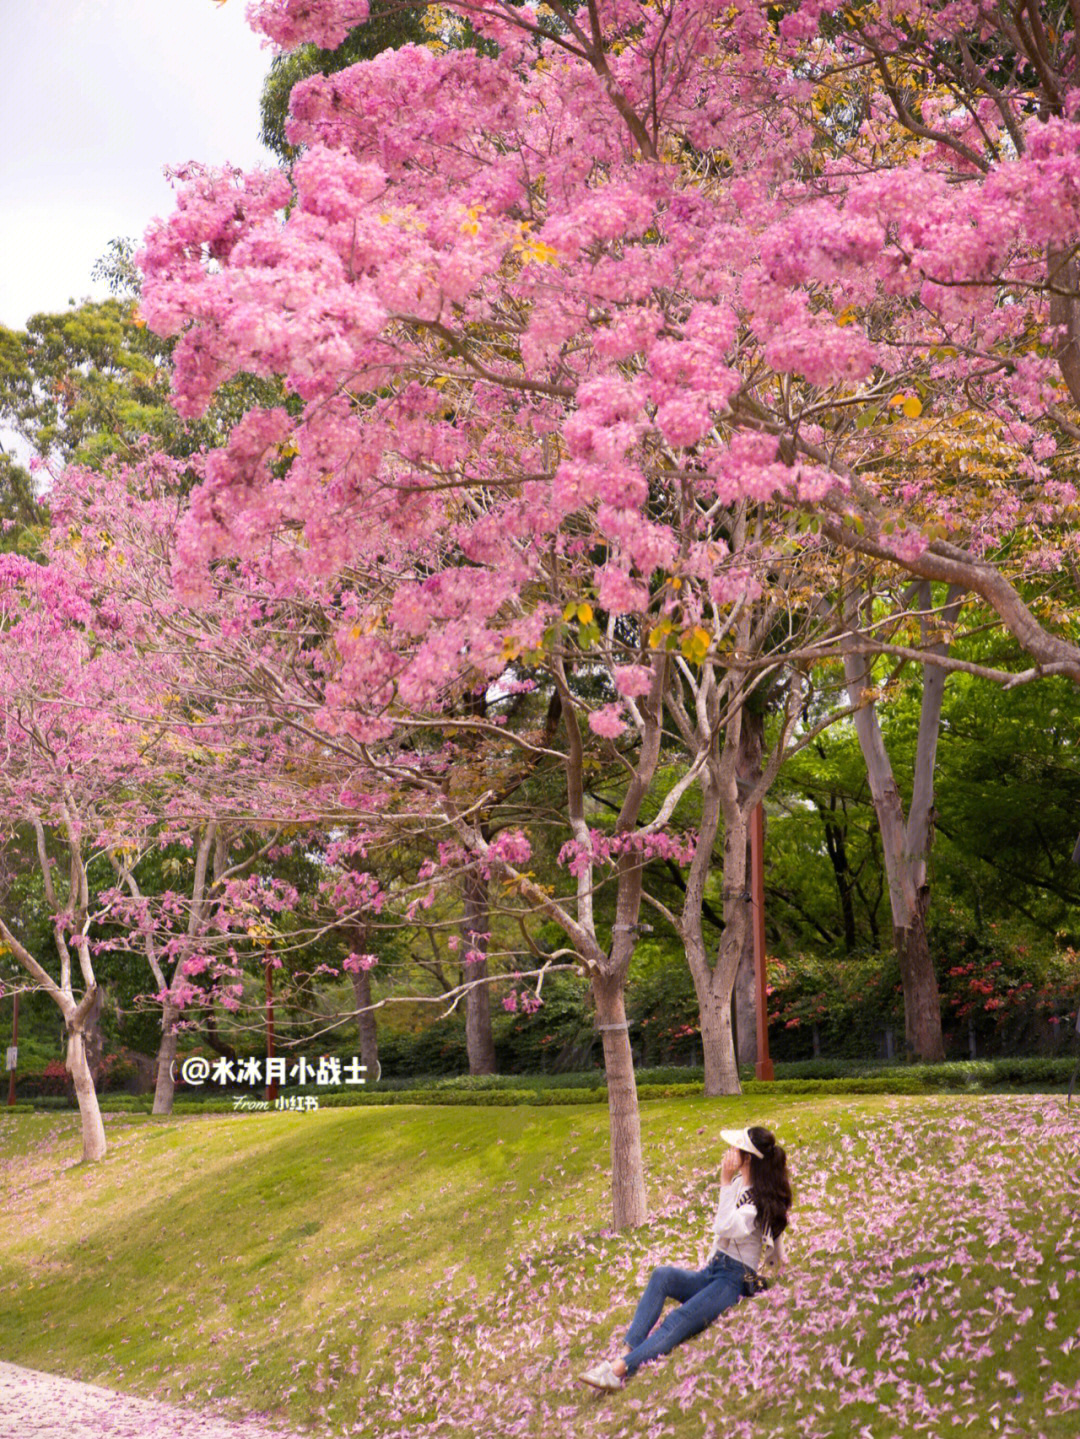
{"points": [[609, 848], [289, 23], [358, 963], [511, 846], [524, 1001]]}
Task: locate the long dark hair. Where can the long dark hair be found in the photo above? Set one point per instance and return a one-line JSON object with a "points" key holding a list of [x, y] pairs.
{"points": [[769, 1181]]}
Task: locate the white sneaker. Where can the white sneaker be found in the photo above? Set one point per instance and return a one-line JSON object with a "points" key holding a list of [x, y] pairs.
{"points": [[602, 1376]]}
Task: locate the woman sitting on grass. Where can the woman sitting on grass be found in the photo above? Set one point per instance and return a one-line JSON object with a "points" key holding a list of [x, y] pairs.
{"points": [[755, 1195]]}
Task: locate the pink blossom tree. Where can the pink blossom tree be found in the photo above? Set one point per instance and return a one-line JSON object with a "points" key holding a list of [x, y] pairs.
{"points": [[570, 324], [70, 774], [219, 788]]}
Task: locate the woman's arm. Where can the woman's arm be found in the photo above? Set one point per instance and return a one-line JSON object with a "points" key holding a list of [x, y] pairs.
{"points": [[734, 1220]]}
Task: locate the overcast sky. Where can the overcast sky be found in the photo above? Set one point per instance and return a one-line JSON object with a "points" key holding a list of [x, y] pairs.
{"points": [[96, 97]]}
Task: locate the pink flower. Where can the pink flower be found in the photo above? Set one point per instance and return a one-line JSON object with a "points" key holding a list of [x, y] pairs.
{"points": [[617, 593], [359, 962], [632, 680], [512, 846], [607, 722]]}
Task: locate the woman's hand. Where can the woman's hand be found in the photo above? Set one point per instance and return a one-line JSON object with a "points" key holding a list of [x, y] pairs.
{"points": [[730, 1166]]}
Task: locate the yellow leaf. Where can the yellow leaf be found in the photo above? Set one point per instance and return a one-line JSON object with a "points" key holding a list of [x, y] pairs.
{"points": [[913, 407], [531, 249], [846, 316], [694, 644], [584, 614]]}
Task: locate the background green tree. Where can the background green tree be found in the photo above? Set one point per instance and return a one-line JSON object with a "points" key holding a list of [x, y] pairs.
{"points": [[388, 27]]}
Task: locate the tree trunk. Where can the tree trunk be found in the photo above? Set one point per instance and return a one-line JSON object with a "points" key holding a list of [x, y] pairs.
{"points": [[746, 1002], [748, 772], [365, 1023], [214, 1039], [922, 1002], [836, 849], [93, 1038], [906, 842], [479, 1040], [608, 970], [627, 1167], [714, 985], [165, 1086], [93, 1130], [721, 1070], [717, 1042]]}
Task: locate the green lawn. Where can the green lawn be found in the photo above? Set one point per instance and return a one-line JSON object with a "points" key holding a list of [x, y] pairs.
{"points": [[448, 1272]]}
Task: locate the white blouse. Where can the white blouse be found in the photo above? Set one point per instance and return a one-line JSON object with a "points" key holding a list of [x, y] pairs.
{"points": [[736, 1230]]}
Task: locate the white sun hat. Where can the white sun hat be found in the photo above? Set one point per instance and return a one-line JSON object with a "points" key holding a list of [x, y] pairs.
{"points": [[740, 1139]]}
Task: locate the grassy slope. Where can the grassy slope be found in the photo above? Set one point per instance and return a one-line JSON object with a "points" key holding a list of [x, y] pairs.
{"points": [[446, 1272]]}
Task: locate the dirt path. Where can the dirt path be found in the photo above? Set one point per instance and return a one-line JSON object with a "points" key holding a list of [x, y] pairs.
{"points": [[42, 1406]]}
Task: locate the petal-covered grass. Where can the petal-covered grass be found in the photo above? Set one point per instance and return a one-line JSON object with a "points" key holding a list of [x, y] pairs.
{"points": [[449, 1272]]}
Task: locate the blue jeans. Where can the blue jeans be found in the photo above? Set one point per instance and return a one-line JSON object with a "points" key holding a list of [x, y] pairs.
{"points": [[704, 1294]]}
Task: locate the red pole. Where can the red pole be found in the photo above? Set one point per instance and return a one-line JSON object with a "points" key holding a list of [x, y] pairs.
{"points": [[15, 1045], [272, 1085], [763, 1069]]}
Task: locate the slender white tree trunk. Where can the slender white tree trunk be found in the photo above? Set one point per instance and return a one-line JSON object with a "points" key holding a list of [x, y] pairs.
{"points": [[906, 840], [165, 1083], [718, 1041], [210, 844], [714, 983], [479, 1039], [93, 1130], [628, 1200], [366, 1027], [748, 769], [607, 971], [76, 1015], [746, 1003]]}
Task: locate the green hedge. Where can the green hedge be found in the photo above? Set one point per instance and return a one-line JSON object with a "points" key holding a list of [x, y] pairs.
{"points": [[811, 1077]]}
